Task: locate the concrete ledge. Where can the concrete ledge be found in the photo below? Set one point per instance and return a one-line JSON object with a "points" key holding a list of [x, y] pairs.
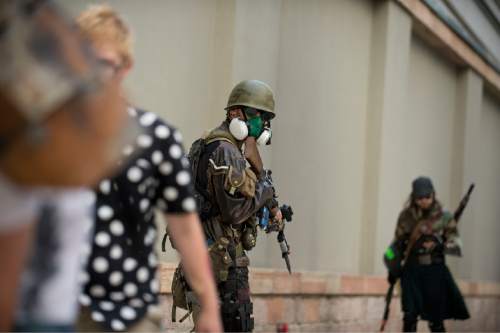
{"points": [[277, 282], [326, 302], [446, 39]]}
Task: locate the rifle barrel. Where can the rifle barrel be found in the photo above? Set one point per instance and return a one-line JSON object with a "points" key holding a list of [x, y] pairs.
{"points": [[388, 299], [463, 203]]}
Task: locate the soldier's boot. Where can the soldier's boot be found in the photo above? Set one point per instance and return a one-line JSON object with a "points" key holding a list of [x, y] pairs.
{"points": [[409, 322], [236, 308], [436, 326], [237, 317]]}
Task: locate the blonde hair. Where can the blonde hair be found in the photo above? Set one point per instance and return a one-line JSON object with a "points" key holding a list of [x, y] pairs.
{"points": [[103, 26]]}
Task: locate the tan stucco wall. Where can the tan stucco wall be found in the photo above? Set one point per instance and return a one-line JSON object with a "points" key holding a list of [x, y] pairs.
{"points": [[486, 247], [419, 137], [319, 145], [363, 108]]}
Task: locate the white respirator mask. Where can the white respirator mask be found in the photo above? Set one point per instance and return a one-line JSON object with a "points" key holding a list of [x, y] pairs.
{"points": [[239, 129]]}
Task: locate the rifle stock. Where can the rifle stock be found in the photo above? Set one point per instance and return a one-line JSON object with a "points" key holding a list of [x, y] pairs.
{"points": [[463, 203]]}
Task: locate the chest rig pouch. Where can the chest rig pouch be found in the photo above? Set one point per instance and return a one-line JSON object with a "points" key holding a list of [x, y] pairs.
{"points": [[220, 258]]}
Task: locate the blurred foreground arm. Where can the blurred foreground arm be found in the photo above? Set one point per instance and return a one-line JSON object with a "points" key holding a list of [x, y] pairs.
{"points": [[14, 247], [187, 235]]}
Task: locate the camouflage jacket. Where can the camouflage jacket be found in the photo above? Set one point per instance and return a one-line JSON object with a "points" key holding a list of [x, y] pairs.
{"points": [[235, 194], [433, 232]]}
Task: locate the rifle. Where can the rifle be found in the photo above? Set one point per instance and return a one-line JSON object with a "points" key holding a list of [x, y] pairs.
{"points": [[252, 155], [264, 217], [463, 203], [287, 213], [388, 299], [456, 216]]}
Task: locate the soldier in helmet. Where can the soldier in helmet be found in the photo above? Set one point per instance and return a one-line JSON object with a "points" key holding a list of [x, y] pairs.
{"points": [[229, 196], [425, 232]]}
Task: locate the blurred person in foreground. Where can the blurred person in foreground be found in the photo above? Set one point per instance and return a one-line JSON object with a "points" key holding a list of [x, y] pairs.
{"points": [[53, 141], [121, 287]]}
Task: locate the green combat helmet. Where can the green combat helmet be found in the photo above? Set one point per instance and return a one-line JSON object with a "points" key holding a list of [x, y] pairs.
{"points": [[252, 93]]}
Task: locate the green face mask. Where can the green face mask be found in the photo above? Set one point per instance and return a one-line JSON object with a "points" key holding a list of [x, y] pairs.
{"points": [[255, 126]]}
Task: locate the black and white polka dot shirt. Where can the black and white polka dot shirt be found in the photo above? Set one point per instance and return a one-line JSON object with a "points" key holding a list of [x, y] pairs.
{"points": [[120, 281]]}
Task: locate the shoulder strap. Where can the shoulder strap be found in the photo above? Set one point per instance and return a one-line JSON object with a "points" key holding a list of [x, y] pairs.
{"points": [[219, 134]]}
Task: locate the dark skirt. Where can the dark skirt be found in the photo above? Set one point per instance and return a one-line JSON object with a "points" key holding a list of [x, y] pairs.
{"points": [[430, 292]]}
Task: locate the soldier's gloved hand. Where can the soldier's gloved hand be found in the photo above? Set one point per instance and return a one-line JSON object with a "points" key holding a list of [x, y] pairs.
{"points": [[277, 218], [453, 248], [391, 279]]}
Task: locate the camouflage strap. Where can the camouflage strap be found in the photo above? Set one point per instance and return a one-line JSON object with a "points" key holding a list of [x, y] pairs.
{"points": [[218, 134], [416, 233]]}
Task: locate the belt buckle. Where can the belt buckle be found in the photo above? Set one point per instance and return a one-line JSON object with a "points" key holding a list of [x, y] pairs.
{"points": [[425, 259]]}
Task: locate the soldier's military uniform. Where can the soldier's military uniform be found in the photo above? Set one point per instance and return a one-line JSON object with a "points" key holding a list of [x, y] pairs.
{"points": [[229, 196], [428, 288]]}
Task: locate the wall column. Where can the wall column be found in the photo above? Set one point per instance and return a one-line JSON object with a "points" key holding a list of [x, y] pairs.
{"points": [[464, 172], [387, 87]]}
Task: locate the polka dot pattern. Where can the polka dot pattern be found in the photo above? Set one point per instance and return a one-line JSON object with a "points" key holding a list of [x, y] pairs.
{"points": [[166, 168], [117, 325], [130, 289], [117, 296], [115, 252], [157, 157], [162, 205], [142, 274], [147, 119], [83, 278], [155, 285], [115, 278], [120, 282], [162, 132], [134, 174], [183, 178], [129, 264], [127, 313], [150, 236], [105, 186], [105, 212], [102, 239], [128, 150], [97, 316], [144, 204], [178, 136], [84, 300], [106, 305], [189, 204], [152, 260], [116, 228], [97, 291], [171, 193], [148, 297], [136, 303], [100, 265], [144, 141], [175, 151]]}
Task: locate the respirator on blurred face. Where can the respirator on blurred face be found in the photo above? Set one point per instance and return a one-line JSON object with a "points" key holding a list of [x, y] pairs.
{"points": [[257, 125]]}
